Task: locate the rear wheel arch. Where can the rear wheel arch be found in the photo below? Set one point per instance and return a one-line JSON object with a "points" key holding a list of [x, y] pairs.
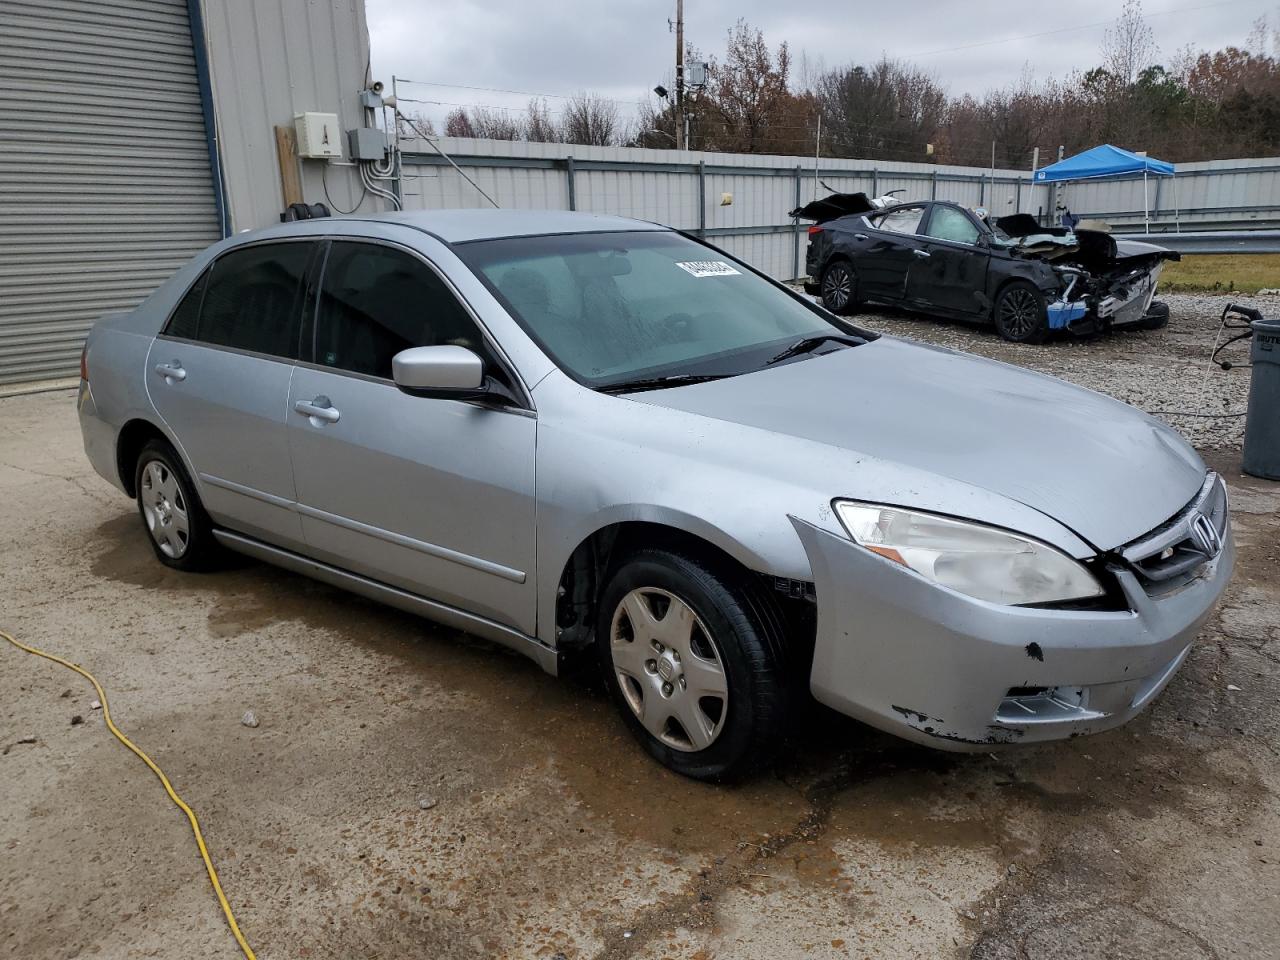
{"points": [[133, 436], [832, 262]]}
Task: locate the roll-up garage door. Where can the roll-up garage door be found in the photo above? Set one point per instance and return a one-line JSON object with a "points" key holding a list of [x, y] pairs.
{"points": [[105, 182]]}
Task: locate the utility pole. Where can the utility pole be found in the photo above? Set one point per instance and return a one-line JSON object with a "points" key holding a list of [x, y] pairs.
{"points": [[1057, 191], [1035, 165], [817, 152], [681, 132]]}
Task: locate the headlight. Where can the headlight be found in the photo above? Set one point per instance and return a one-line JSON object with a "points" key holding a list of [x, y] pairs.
{"points": [[980, 561]]}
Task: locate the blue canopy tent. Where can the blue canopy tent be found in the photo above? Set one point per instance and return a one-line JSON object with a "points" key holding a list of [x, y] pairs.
{"points": [[1108, 163]]}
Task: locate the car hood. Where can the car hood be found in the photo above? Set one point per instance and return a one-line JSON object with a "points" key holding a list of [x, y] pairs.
{"points": [[1103, 469]]}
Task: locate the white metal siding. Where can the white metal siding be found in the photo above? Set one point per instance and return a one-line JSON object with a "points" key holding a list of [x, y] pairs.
{"points": [[270, 60], [105, 187]]}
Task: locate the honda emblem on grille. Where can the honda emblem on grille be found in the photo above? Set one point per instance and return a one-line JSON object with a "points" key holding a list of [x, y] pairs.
{"points": [[1206, 535]]}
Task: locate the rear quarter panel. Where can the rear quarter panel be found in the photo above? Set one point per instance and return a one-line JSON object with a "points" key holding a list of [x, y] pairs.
{"points": [[116, 358]]}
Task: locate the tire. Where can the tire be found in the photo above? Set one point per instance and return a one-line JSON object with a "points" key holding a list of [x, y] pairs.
{"points": [[1019, 313], [1157, 316], [731, 649], [839, 287], [177, 526]]}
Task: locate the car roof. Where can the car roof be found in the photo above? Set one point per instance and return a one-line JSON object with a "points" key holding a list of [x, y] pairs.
{"points": [[460, 226]]}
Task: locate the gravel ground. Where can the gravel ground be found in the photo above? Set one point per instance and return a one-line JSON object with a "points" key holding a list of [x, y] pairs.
{"points": [[410, 792], [1157, 370]]}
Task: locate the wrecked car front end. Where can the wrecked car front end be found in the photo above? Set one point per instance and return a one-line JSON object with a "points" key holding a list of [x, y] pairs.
{"points": [[944, 669], [1102, 282]]}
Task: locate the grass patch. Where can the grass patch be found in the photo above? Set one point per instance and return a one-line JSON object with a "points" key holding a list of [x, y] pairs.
{"points": [[1221, 272]]}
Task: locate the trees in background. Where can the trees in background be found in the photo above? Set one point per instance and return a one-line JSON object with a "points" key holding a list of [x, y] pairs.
{"points": [[747, 106], [888, 109], [587, 118], [1195, 105]]}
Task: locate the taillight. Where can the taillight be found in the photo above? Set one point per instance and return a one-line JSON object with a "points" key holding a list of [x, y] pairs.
{"points": [[84, 363], [814, 229]]}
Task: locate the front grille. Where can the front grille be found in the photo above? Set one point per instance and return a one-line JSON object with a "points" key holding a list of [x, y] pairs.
{"points": [[1175, 552]]}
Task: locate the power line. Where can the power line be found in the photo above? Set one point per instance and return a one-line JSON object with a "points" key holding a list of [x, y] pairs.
{"points": [[522, 93], [477, 106], [834, 135]]}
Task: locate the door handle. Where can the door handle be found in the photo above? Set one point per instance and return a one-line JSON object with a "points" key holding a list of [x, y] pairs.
{"points": [[319, 410], [859, 236], [171, 371], [922, 254]]}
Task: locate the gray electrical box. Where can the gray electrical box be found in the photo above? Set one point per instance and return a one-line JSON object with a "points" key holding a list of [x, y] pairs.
{"points": [[367, 144]]}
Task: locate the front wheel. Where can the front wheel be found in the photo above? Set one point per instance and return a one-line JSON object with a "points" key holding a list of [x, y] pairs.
{"points": [[839, 287], [1020, 314], [693, 660], [1157, 316]]}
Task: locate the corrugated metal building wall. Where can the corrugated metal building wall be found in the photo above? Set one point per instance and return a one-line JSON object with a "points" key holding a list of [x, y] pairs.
{"points": [[105, 184], [106, 180], [685, 189]]}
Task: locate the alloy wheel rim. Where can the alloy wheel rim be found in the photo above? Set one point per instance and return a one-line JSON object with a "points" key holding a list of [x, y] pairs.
{"points": [[164, 507], [669, 669], [837, 286], [1018, 312]]}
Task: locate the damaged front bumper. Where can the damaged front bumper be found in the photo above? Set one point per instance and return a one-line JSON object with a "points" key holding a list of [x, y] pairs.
{"points": [[902, 654], [1088, 306]]}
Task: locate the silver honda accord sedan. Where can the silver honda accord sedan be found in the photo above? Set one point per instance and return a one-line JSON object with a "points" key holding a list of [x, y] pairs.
{"points": [[576, 434]]}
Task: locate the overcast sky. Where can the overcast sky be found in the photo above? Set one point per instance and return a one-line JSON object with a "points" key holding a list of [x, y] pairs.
{"points": [[622, 48]]}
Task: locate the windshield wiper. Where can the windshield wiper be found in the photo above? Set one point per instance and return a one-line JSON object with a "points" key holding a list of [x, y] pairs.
{"points": [[660, 383], [809, 344]]}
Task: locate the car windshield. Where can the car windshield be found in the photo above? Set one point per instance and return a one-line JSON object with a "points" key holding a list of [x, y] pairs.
{"points": [[618, 308]]}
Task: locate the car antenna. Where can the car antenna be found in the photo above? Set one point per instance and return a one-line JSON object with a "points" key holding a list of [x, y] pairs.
{"points": [[436, 147]]}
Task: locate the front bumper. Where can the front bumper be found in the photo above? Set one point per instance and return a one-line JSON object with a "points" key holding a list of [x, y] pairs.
{"points": [[928, 664]]}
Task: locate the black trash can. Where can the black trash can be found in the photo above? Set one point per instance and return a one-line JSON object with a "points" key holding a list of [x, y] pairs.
{"points": [[1262, 425]]}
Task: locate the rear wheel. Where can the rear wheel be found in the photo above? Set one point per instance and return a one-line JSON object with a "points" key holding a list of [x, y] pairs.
{"points": [[179, 529], [839, 287], [693, 660], [1020, 314]]}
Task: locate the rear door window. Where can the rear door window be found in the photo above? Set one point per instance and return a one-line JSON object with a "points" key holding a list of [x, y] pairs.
{"points": [[249, 299], [185, 320], [900, 220]]}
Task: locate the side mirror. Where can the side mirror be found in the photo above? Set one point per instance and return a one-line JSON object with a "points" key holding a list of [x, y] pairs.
{"points": [[441, 371]]}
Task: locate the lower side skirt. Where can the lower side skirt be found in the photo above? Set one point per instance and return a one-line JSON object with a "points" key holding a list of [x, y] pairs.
{"points": [[442, 613]]}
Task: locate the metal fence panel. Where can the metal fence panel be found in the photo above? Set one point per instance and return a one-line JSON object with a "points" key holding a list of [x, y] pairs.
{"points": [[687, 190]]}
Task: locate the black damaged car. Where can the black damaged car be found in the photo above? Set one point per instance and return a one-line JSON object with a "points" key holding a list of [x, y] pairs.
{"points": [[941, 258]]}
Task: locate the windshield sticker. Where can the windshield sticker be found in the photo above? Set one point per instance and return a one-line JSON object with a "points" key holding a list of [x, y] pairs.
{"points": [[707, 268]]}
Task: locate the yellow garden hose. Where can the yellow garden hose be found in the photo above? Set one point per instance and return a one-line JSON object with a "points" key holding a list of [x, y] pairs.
{"points": [[168, 787]]}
